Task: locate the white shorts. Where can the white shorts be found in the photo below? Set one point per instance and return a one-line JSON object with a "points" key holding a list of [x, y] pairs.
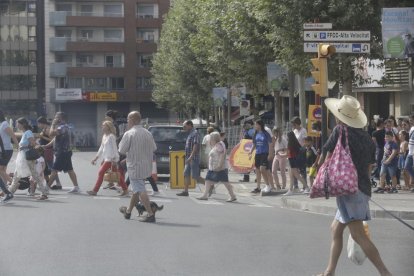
{"points": [[137, 185]]}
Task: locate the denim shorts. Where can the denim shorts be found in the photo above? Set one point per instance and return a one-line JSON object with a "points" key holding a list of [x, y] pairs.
{"points": [[401, 162], [137, 185], [352, 207], [391, 169], [409, 165], [192, 169]]}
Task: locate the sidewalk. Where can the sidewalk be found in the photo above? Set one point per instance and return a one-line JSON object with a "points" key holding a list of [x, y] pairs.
{"points": [[400, 204]]}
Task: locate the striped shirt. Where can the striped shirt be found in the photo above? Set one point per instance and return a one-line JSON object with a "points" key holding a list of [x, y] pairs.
{"points": [[138, 145], [411, 142]]}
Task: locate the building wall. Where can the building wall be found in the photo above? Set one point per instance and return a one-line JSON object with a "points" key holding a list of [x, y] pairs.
{"points": [[64, 69], [21, 83]]}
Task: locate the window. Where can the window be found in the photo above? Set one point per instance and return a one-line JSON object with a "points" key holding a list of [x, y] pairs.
{"points": [[64, 33], [31, 9], [113, 10], [18, 9], [84, 60], [144, 83], [64, 7], [145, 60], [60, 82], [86, 35], [117, 83], [4, 9], [147, 35], [32, 33], [64, 57], [113, 36], [114, 60], [32, 58], [86, 10], [74, 83], [95, 83], [147, 11]]}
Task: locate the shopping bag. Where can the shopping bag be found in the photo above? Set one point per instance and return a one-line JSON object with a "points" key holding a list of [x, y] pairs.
{"points": [[22, 168], [112, 175], [338, 175], [355, 252]]}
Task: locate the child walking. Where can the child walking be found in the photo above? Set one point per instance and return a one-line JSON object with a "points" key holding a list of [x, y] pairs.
{"points": [[389, 163], [312, 156]]}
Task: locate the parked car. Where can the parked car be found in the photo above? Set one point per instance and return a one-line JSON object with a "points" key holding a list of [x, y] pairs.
{"points": [[169, 138]]}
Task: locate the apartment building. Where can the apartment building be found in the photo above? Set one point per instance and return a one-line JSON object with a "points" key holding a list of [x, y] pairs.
{"points": [[21, 58], [99, 55]]}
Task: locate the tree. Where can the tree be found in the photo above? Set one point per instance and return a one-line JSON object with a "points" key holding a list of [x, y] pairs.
{"points": [[180, 82]]}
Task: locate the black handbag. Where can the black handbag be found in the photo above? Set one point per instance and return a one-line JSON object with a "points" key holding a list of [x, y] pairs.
{"points": [[32, 154]]}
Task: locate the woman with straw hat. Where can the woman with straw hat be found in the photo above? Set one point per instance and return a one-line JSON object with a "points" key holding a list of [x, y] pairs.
{"points": [[352, 209]]}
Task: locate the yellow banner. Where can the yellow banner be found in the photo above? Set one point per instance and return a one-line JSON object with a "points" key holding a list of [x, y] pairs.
{"points": [[103, 96], [314, 115], [239, 157], [177, 163]]}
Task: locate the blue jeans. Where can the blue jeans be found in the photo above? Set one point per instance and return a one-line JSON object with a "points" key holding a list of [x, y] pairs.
{"points": [[409, 165]]}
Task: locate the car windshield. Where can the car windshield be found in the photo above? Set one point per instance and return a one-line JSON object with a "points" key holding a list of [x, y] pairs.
{"points": [[168, 134]]}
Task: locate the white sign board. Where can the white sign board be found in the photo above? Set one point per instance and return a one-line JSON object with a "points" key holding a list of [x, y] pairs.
{"points": [[353, 48], [68, 94], [337, 35], [317, 26]]}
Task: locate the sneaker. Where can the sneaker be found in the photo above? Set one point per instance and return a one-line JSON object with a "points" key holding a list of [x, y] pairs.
{"points": [[124, 193], [202, 198], [306, 191], [92, 193], [148, 219], [123, 210], [393, 191], [288, 193], [256, 191], [296, 190], [183, 193], [379, 191], [266, 189], [109, 185], [74, 190], [7, 198], [56, 187], [231, 199], [42, 197]]}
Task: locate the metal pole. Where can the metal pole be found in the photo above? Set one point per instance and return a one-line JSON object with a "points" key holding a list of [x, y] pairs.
{"points": [[228, 108], [291, 96]]}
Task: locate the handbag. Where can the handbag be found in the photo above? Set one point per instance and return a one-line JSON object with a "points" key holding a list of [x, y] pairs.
{"points": [[32, 154], [112, 175], [338, 175]]}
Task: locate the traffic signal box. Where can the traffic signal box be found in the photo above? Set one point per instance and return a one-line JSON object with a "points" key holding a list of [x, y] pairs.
{"points": [[320, 72]]}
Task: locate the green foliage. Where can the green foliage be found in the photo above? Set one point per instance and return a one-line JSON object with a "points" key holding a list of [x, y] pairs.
{"points": [[208, 43]]}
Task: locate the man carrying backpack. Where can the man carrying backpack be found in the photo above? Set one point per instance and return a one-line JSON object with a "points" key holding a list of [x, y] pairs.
{"points": [[63, 151]]}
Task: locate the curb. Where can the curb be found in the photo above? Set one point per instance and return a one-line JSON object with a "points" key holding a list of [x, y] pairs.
{"points": [[290, 203]]}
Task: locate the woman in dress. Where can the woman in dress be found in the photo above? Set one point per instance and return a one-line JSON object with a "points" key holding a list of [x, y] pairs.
{"points": [[25, 168], [352, 209], [109, 152], [217, 167]]}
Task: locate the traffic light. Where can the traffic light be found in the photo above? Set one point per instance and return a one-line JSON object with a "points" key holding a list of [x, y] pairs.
{"points": [[320, 64]]}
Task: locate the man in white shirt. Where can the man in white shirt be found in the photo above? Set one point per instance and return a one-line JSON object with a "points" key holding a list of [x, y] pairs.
{"points": [[138, 145], [299, 131], [300, 134]]}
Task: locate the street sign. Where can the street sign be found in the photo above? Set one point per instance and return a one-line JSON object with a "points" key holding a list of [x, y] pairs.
{"points": [[350, 48], [317, 26], [336, 35], [177, 164]]}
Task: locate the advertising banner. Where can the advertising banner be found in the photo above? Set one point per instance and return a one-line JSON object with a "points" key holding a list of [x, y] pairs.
{"points": [[239, 157], [398, 32], [277, 77], [68, 94], [220, 96]]}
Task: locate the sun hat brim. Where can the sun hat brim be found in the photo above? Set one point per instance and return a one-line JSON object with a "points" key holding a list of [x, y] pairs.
{"points": [[359, 121]]}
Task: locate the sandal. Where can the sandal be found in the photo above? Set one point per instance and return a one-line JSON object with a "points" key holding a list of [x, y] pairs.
{"points": [[42, 197]]}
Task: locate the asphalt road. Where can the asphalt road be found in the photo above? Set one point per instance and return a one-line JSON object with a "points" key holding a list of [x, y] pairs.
{"points": [[82, 235]]}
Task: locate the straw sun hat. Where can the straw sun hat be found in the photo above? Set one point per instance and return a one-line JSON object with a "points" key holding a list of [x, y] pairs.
{"points": [[347, 110]]}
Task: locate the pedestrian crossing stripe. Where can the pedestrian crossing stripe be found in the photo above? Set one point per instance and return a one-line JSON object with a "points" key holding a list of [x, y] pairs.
{"points": [[206, 202], [106, 197]]}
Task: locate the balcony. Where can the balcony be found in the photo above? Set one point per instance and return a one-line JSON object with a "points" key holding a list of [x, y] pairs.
{"points": [[58, 18], [58, 69], [59, 44]]}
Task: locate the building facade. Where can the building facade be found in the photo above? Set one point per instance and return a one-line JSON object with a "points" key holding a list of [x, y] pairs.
{"points": [[22, 87], [99, 56]]}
